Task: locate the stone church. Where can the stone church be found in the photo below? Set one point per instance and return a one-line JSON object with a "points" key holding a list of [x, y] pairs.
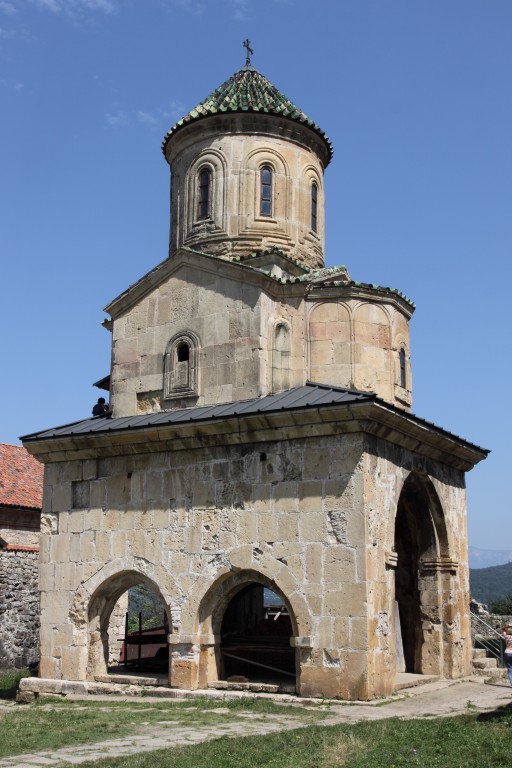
{"points": [[260, 443]]}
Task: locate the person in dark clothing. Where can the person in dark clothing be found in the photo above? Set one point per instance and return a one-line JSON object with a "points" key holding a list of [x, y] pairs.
{"points": [[101, 408]]}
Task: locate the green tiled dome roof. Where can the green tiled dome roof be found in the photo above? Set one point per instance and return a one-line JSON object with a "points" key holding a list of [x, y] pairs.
{"points": [[248, 91]]}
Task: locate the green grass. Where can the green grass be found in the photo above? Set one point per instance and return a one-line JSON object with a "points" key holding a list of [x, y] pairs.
{"points": [[469, 741], [53, 723], [9, 682]]}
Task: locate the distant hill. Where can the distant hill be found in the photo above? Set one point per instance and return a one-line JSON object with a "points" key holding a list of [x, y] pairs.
{"points": [[488, 584], [485, 558]]}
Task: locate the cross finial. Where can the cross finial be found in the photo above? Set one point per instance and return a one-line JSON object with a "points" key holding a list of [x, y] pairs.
{"points": [[250, 52]]}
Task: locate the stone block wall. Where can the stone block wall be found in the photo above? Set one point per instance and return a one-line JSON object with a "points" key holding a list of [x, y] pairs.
{"points": [[19, 608], [228, 318], [189, 521], [235, 156], [311, 518], [440, 534], [248, 336]]}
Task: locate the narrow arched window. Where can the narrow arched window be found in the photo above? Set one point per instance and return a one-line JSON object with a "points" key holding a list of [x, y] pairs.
{"points": [[204, 193], [281, 354], [180, 365], [314, 206], [183, 352], [266, 191], [403, 379]]}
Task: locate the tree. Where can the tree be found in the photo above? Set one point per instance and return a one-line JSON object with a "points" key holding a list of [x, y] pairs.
{"points": [[142, 599], [502, 607]]}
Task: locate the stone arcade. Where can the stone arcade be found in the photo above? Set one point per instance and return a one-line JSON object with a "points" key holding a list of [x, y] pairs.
{"points": [[261, 437]]}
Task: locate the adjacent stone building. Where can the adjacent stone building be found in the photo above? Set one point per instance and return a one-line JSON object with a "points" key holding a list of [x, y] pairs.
{"points": [[260, 443], [21, 490]]}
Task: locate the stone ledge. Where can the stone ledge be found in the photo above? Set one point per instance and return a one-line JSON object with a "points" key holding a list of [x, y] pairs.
{"points": [[32, 687], [225, 685], [37, 686]]}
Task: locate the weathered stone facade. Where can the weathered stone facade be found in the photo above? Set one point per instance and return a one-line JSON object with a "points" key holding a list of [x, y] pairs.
{"points": [[307, 509], [224, 469], [21, 485], [250, 334], [19, 608], [235, 147]]}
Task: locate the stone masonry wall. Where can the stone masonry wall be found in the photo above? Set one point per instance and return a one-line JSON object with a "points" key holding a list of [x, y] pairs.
{"points": [[235, 155], [19, 608], [349, 342], [191, 521], [444, 578], [312, 518]]}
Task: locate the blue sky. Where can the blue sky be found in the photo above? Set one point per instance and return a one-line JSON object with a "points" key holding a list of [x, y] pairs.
{"points": [[416, 98]]}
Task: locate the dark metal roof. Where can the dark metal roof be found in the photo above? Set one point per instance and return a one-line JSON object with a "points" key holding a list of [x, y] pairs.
{"points": [[311, 395], [103, 383], [308, 396]]}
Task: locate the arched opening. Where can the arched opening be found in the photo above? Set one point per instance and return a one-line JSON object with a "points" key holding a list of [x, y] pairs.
{"points": [[403, 377], [421, 548], [266, 191], [281, 358], [182, 352], [255, 638], [314, 206], [204, 193], [250, 631], [128, 628], [180, 365]]}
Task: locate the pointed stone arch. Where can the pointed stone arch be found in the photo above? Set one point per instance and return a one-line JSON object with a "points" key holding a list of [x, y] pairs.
{"points": [[424, 609], [214, 610], [198, 647], [95, 600], [100, 608]]}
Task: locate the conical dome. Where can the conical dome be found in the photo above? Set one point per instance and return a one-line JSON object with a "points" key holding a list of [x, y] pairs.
{"points": [[248, 91], [247, 171]]}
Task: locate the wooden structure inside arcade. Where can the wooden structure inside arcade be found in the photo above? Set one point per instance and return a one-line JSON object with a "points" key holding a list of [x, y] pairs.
{"points": [[145, 648], [255, 638]]}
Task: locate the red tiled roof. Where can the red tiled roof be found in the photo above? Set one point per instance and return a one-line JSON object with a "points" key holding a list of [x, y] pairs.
{"points": [[20, 548], [21, 478]]}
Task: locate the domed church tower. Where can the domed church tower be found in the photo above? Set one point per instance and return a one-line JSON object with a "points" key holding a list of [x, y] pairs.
{"points": [[260, 440], [247, 174], [244, 305]]}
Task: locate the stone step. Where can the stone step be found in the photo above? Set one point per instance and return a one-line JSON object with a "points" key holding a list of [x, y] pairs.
{"points": [[487, 663], [479, 653], [410, 680], [225, 685], [132, 679], [498, 676]]}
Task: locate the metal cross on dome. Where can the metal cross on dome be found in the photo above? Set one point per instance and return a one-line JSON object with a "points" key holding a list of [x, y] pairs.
{"points": [[250, 52]]}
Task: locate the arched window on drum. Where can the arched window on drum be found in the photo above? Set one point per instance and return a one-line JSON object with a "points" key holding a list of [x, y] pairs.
{"points": [[403, 369], [204, 193], [314, 207], [266, 190]]}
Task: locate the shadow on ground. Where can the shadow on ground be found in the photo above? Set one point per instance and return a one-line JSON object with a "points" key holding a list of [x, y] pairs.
{"points": [[9, 682], [500, 713]]}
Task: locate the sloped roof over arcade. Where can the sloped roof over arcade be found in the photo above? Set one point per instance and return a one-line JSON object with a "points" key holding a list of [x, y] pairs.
{"points": [[248, 91], [350, 410]]}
